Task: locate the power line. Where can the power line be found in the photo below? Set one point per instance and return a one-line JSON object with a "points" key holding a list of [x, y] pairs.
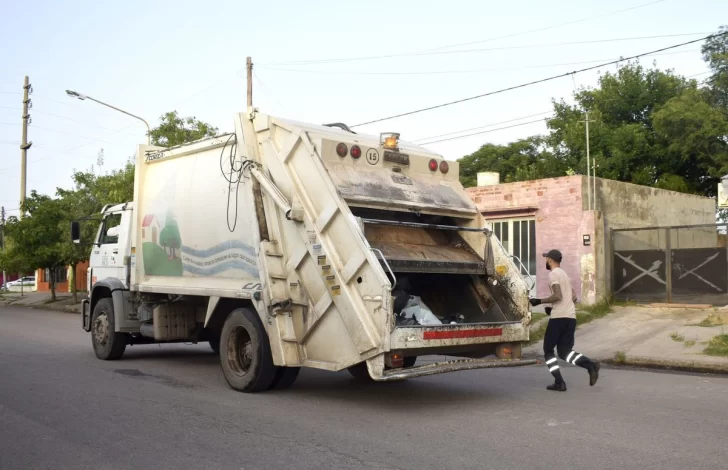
{"points": [[484, 132], [568, 23], [487, 49], [481, 127], [265, 91], [523, 85], [467, 71], [508, 35]]}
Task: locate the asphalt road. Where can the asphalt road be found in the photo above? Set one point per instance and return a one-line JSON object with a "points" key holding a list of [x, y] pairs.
{"points": [[170, 407]]}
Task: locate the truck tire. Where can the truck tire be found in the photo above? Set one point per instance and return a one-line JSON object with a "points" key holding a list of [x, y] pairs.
{"points": [[215, 345], [285, 376], [360, 371], [108, 344], [245, 352], [409, 361]]}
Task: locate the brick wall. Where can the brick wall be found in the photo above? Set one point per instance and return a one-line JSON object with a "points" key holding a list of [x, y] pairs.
{"points": [[558, 208]]}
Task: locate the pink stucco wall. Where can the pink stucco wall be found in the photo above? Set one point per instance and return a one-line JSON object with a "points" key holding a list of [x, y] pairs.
{"points": [[560, 220]]}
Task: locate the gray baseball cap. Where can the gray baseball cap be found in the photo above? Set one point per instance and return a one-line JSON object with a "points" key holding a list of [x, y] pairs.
{"points": [[554, 255]]}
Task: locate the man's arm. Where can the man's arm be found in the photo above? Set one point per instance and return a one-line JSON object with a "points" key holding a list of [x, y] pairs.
{"points": [[555, 295]]}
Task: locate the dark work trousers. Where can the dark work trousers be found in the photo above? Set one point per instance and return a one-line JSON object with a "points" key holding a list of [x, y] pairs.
{"points": [[560, 335]]}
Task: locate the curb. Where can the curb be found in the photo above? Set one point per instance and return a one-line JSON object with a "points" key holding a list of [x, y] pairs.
{"points": [[680, 366], [73, 309]]}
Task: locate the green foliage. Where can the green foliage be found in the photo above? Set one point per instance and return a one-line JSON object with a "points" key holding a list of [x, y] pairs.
{"points": [[175, 130], [715, 54], [37, 239], [523, 160], [718, 346]]}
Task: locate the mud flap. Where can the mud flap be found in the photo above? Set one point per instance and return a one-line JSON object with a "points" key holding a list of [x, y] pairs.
{"points": [[85, 315]]}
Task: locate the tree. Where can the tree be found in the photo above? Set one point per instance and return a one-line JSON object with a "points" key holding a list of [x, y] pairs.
{"points": [[174, 130], [525, 159], [90, 193], [715, 54], [37, 239]]}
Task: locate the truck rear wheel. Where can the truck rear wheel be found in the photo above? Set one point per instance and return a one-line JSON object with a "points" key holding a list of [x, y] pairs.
{"points": [[245, 352], [285, 376], [360, 371], [108, 344]]}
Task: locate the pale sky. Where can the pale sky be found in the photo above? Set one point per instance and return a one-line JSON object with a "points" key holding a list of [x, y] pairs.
{"points": [[149, 57]]}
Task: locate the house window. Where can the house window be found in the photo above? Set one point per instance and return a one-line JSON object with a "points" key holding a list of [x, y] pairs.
{"points": [[518, 237]]}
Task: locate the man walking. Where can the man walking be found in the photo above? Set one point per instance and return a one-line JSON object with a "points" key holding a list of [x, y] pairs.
{"points": [[562, 325]]}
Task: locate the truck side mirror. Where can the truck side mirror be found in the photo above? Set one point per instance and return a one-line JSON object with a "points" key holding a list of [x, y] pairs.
{"points": [[76, 232]]}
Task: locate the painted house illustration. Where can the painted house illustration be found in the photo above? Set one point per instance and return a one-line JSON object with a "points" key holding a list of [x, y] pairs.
{"points": [[150, 229]]}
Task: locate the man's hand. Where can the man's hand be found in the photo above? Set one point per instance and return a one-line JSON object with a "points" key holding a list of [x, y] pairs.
{"points": [[535, 302], [548, 311]]}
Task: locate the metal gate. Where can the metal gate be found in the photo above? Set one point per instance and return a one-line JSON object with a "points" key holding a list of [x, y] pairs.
{"points": [[685, 264]]}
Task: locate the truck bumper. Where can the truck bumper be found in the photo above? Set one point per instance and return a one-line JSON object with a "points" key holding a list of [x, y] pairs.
{"points": [[392, 375], [444, 336], [85, 315]]}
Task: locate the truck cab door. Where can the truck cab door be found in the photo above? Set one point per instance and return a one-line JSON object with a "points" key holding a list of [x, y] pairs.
{"points": [[107, 256]]}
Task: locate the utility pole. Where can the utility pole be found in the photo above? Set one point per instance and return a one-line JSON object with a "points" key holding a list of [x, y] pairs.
{"points": [[24, 144], [249, 68], [588, 166]]}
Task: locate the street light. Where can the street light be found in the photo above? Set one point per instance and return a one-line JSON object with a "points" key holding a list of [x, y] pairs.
{"points": [[75, 94]]}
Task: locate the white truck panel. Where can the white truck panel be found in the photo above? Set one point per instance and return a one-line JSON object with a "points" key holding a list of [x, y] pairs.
{"points": [[193, 226]]}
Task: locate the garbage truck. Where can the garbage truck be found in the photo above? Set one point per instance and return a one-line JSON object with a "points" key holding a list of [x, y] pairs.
{"points": [[287, 245]]}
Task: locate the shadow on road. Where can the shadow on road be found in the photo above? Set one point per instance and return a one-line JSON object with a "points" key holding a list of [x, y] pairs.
{"points": [[339, 388]]}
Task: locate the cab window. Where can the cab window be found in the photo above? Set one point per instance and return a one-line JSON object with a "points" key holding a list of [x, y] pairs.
{"points": [[110, 231]]}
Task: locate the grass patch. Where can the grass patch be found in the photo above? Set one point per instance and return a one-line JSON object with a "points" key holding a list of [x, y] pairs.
{"points": [[689, 344], [717, 346], [537, 335], [589, 313], [677, 337], [620, 357], [537, 317], [714, 319]]}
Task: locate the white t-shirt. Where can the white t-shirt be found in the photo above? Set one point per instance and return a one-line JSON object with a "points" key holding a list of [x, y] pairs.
{"points": [[565, 307]]}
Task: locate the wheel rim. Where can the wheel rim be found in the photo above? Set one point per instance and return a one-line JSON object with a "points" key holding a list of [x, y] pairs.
{"points": [[240, 351], [101, 329]]}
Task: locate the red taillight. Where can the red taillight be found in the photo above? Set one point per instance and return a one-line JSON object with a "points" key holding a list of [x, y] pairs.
{"points": [[396, 360], [444, 167], [433, 165], [355, 151], [341, 150], [451, 334]]}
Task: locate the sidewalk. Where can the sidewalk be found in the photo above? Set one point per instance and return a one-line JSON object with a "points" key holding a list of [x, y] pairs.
{"points": [[64, 302], [671, 338]]}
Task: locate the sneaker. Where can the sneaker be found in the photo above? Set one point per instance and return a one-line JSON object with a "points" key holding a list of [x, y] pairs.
{"points": [[557, 387], [594, 374]]}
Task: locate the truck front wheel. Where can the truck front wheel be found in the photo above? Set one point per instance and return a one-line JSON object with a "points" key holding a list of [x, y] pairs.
{"points": [[108, 344], [245, 352]]}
